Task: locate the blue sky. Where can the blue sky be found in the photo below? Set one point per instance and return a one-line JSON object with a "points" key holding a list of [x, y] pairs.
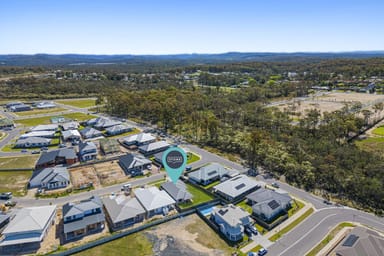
{"points": [[170, 26]]}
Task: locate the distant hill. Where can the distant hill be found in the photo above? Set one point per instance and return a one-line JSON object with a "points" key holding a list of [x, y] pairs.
{"points": [[80, 59]]}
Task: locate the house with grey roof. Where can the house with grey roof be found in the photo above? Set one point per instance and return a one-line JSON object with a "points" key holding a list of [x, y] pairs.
{"points": [[32, 142], [27, 230], [208, 174], [4, 220], [72, 125], [87, 151], [64, 156], [20, 107], [71, 135], [118, 129], [89, 132], [122, 211], [231, 221], [45, 127], [45, 105], [177, 191], [139, 139], [50, 178], [361, 241], [43, 134], [83, 218], [154, 147], [134, 165], [102, 122], [154, 201], [236, 187], [268, 204]]}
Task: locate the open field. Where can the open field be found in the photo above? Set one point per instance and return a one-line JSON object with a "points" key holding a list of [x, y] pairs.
{"points": [[110, 173], [47, 119], [24, 162], [14, 181], [39, 111], [79, 103], [83, 175]]}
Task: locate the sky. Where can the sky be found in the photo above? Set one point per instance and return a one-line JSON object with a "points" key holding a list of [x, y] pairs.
{"points": [[189, 26]]}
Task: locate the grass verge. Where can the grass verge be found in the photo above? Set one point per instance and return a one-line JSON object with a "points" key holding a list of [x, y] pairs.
{"points": [[191, 157]]}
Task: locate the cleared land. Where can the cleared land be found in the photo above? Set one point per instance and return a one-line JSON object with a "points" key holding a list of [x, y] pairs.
{"points": [[24, 162], [110, 173], [47, 119], [14, 181], [79, 103], [81, 176], [39, 111]]}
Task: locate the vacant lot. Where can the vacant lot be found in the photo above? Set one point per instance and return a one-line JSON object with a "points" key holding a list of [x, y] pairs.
{"points": [[40, 111], [110, 173], [25, 162], [47, 119], [79, 103], [14, 181], [83, 175]]}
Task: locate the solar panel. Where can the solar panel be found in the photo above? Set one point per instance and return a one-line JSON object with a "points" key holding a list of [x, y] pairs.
{"points": [[350, 241], [273, 204], [223, 212], [212, 173], [240, 186]]}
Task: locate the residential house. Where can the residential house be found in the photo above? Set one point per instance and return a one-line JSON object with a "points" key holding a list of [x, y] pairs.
{"points": [[154, 201], [11, 104], [65, 156], [236, 187], [43, 134], [4, 220], [50, 178], [268, 204], [20, 107], [153, 148], [72, 125], [102, 123], [71, 135], [361, 241], [45, 127], [177, 191], [208, 174], [87, 151], [231, 221], [83, 218], [32, 142], [6, 123], [27, 229], [89, 132], [139, 139], [109, 146], [58, 119], [134, 165], [118, 129], [45, 104], [122, 211]]}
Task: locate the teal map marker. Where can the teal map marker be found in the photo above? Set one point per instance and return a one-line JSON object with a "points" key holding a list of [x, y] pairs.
{"points": [[174, 161]]}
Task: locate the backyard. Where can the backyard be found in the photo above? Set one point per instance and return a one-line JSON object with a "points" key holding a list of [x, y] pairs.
{"points": [[79, 103], [14, 181], [199, 196]]}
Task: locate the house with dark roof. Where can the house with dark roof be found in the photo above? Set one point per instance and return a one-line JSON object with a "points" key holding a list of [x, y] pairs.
{"points": [[154, 147], [231, 221], [122, 211], [236, 188], [64, 156], [208, 174], [109, 146], [139, 139], [50, 178], [87, 151], [361, 241], [27, 230], [102, 122], [177, 191], [32, 142], [89, 132], [72, 125], [155, 201], [134, 165], [20, 107], [83, 218], [267, 204], [118, 129]]}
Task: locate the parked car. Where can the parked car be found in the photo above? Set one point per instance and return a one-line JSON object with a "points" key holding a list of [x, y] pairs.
{"points": [[62, 145], [44, 148], [275, 185], [24, 151], [35, 152], [252, 229], [327, 202], [251, 254], [10, 203], [6, 195], [188, 168], [125, 187], [262, 252]]}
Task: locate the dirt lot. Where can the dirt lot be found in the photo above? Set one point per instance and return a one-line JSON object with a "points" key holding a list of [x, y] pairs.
{"points": [[84, 175], [350, 97], [110, 172]]}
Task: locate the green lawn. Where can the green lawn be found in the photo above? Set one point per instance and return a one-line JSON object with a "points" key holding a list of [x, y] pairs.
{"points": [[18, 162], [296, 206], [292, 225], [379, 131], [192, 158], [39, 111], [212, 184], [372, 144], [199, 196], [245, 206], [14, 181], [328, 238], [79, 103], [47, 119], [136, 245]]}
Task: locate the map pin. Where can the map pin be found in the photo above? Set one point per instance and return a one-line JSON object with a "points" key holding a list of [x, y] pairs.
{"points": [[174, 161]]}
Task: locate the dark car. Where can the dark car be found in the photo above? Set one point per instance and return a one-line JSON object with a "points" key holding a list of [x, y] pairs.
{"points": [[10, 203], [252, 229], [262, 252], [327, 202], [44, 148], [275, 185], [6, 195], [35, 152], [24, 151]]}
